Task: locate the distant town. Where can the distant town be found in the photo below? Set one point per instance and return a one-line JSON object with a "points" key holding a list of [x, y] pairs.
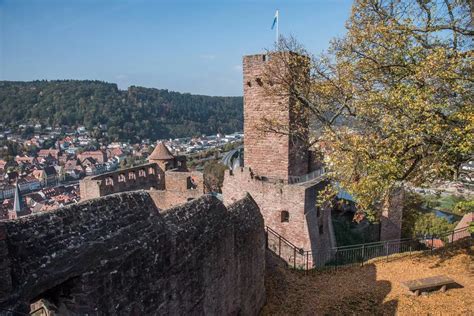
{"points": [[44, 164]]}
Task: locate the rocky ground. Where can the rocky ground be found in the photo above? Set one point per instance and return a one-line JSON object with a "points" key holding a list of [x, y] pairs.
{"points": [[375, 288]]}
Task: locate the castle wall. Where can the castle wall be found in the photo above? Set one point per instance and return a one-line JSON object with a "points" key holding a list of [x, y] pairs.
{"points": [[120, 255], [306, 228], [165, 199], [169, 188], [181, 181], [135, 178], [267, 153]]}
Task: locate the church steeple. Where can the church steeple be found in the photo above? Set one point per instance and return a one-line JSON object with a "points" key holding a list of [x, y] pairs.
{"points": [[17, 205]]}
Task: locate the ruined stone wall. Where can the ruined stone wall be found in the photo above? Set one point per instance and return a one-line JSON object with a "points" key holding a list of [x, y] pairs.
{"points": [[167, 199], [182, 181], [120, 255], [392, 213], [169, 188], [181, 187], [306, 228], [141, 177], [268, 154]]}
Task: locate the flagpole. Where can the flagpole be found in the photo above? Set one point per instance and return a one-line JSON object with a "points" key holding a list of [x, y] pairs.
{"points": [[278, 22]]}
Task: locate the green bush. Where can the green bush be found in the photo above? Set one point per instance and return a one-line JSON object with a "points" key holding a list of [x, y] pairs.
{"points": [[463, 207], [214, 176], [417, 220]]}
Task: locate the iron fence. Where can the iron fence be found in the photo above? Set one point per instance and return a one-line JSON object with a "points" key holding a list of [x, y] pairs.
{"points": [[298, 258], [307, 177]]}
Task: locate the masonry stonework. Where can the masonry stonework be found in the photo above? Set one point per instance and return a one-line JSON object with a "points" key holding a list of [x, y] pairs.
{"points": [[120, 255], [271, 162], [392, 213], [135, 178], [165, 176], [270, 154], [307, 226]]}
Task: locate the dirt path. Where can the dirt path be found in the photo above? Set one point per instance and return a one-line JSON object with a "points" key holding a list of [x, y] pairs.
{"points": [[373, 289]]}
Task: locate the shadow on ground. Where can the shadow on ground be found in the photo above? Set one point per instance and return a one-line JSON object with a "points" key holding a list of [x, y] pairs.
{"points": [[325, 293]]}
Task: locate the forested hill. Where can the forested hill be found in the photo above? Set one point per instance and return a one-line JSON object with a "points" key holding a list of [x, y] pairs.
{"points": [[130, 114]]}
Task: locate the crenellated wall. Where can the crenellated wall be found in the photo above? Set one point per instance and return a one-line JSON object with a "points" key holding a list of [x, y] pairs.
{"points": [[306, 226], [168, 188], [142, 177], [120, 255]]}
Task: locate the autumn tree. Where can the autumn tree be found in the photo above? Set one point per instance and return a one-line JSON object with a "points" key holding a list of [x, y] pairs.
{"points": [[391, 103], [214, 176]]}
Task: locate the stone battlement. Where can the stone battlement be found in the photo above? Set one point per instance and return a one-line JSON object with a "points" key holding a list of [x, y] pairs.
{"points": [[168, 188], [135, 178], [121, 255], [289, 209]]}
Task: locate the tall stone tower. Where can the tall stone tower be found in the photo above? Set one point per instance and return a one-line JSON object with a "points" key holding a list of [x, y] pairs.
{"points": [[288, 208], [270, 154]]}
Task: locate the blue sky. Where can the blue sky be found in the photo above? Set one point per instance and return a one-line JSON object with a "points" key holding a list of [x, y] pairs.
{"points": [[181, 45]]}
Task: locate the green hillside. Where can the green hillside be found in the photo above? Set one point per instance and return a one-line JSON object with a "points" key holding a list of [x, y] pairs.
{"points": [[130, 114]]}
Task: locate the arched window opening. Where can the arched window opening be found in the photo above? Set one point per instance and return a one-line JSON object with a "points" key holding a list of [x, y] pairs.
{"points": [[285, 216], [191, 184], [109, 181]]}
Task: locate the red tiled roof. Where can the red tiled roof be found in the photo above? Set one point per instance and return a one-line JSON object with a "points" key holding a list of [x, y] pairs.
{"points": [[161, 152]]}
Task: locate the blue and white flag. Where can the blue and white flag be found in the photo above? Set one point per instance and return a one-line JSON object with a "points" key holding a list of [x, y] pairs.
{"points": [[275, 19]]}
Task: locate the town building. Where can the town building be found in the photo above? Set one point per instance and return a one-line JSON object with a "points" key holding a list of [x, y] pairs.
{"points": [[98, 155]]}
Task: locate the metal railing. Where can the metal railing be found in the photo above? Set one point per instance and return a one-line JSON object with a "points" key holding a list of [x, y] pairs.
{"points": [[298, 258], [41, 311], [307, 177]]}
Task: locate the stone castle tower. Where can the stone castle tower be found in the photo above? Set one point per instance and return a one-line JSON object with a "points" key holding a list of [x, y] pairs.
{"points": [[269, 154], [275, 163], [162, 156]]}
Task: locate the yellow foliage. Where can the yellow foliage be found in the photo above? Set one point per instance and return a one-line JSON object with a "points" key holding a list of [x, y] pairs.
{"points": [[393, 98]]}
